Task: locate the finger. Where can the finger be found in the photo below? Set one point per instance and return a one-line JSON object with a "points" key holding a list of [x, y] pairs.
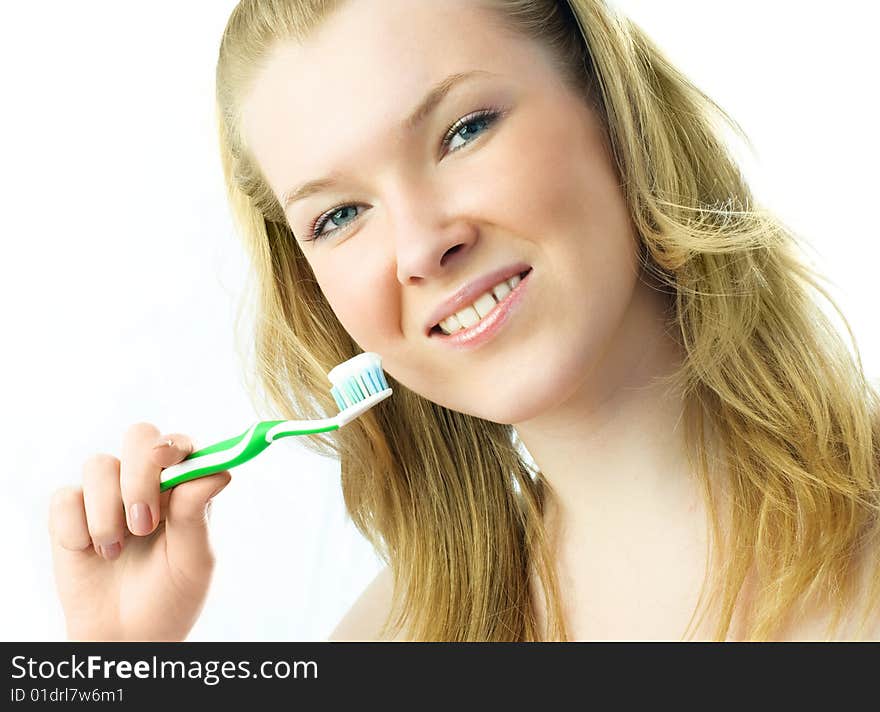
{"points": [[139, 478], [186, 524], [103, 504], [68, 529], [169, 450], [73, 556]]}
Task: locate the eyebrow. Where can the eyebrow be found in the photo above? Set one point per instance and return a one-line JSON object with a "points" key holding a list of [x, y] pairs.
{"points": [[430, 102]]}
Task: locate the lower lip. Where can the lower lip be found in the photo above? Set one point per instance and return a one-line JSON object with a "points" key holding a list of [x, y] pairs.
{"points": [[489, 325]]}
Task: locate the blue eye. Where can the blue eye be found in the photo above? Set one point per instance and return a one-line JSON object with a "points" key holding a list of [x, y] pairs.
{"points": [[334, 215], [481, 118], [466, 128]]}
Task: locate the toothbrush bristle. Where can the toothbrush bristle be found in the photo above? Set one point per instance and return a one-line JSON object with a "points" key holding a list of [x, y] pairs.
{"points": [[357, 379]]}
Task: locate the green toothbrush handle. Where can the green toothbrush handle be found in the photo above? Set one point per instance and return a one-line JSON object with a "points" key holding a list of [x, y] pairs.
{"points": [[234, 451]]}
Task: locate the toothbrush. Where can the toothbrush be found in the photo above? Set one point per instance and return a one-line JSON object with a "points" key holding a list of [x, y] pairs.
{"points": [[358, 385]]}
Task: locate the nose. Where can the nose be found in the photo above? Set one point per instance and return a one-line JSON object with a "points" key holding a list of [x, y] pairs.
{"points": [[429, 235]]}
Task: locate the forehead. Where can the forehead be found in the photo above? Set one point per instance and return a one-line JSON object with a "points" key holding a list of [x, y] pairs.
{"points": [[359, 74]]}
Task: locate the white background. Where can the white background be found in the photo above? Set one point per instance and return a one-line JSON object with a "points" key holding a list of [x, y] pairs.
{"points": [[121, 272]]}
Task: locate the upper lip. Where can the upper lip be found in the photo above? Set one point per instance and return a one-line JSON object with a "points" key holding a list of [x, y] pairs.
{"points": [[469, 293]]}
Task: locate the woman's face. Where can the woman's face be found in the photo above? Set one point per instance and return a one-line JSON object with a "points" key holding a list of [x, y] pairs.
{"points": [[525, 181]]}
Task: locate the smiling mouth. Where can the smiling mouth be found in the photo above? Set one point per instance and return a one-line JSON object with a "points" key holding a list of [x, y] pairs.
{"points": [[437, 330]]}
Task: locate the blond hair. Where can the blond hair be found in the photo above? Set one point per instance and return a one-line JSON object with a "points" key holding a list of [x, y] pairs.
{"points": [[448, 500]]}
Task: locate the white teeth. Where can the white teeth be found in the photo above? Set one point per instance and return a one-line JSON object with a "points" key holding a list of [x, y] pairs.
{"points": [[501, 291], [449, 325], [485, 304], [479, 309], [467, 316]]}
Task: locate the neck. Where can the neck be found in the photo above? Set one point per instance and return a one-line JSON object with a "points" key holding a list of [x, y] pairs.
{"points": [[614, 451]]}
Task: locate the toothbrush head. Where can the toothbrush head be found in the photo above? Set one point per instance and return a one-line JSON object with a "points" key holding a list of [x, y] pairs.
{"points": [[358, 384]]}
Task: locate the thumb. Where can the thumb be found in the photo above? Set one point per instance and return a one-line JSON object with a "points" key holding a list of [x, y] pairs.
{"points": [[188, 545]]}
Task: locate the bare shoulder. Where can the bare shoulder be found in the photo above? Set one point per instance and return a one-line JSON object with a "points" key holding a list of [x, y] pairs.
{"points": [[364, 620]]}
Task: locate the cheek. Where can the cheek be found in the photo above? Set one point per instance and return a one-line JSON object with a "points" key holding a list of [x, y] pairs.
{"points": [[535, 181], [365, 303]]}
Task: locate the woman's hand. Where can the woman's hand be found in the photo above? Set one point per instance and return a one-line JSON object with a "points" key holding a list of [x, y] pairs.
{"points": [[131, 563]]}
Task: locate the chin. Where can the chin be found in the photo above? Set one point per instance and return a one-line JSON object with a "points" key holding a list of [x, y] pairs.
{"points": [[514, 400], [515, 388]]}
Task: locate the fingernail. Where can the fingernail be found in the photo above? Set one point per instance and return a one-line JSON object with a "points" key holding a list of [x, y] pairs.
{"points": [[140, 519], [164, 442], [111, 551]]}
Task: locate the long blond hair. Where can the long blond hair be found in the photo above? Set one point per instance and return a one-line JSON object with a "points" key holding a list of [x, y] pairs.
{"points": [[449, 501]]}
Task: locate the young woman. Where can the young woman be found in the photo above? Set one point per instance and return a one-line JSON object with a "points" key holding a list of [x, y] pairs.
{"points": [[707, 448]]}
